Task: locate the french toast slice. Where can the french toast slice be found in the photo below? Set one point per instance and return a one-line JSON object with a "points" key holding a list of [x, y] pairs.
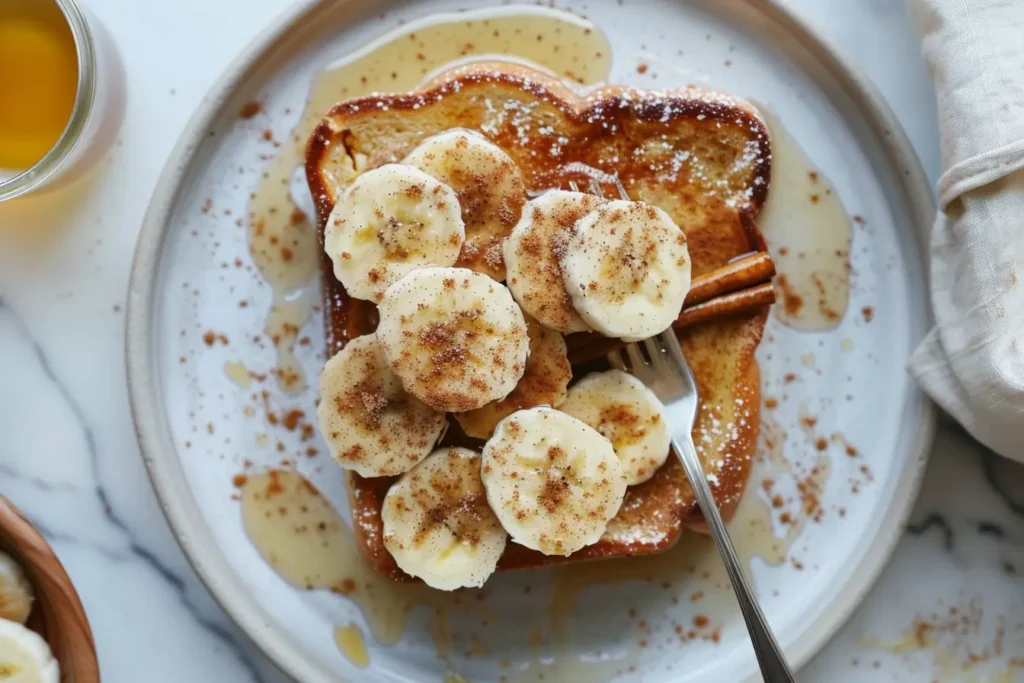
{"points": [[701, 156]]}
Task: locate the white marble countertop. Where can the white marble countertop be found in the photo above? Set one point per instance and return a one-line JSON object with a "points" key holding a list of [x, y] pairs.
{"points": [[950, 607]]}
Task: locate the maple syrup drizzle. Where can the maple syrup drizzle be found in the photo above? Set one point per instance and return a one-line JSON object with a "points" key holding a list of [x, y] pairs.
{"points": [[350, 642], [282, 238], [808, 233], [238, 374], [297, 531]]}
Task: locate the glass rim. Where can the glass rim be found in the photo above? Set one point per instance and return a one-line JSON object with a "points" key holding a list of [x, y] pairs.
{"points": [[85, 95]]}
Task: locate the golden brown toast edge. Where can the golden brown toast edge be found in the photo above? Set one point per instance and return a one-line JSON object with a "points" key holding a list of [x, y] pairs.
{"points": [[721, 353]]}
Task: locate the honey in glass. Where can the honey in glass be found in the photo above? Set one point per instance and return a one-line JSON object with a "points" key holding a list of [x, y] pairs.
{"points": [[38, 80]]}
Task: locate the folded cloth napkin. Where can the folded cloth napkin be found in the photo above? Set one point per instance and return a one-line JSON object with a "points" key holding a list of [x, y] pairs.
{"points": [[972, 362]]}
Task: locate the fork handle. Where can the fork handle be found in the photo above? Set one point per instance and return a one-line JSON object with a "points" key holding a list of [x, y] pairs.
{"points": [[773, 664]]}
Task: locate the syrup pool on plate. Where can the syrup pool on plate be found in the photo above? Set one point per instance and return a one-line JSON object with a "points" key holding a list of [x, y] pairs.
{"points": [[808, 233]]}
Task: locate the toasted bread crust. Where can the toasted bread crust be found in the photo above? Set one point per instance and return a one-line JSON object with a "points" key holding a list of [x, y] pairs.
{"points": [[705, 159]]}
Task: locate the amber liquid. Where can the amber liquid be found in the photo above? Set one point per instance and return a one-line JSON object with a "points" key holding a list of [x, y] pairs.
{"points": [[350, 642], [38, 80], [808, 233]]}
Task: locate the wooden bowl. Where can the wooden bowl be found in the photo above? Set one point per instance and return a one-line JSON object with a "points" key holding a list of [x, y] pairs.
{"points": [[57, 613]]}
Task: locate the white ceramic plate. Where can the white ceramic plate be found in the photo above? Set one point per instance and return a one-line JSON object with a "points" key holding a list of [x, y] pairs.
{"points": [[180, 289]]}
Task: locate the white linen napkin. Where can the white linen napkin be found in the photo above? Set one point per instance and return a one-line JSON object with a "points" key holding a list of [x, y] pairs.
{"points": [[972, 362]]}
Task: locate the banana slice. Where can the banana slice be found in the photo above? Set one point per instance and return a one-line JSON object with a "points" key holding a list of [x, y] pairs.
{"points": [[437, 524], [24, 656], [628, 414], [490, 189], [533, 253], [455, 337], [370, 423], [627, 269], [15, 591], [543, 383], [552, 481], [388, 222]]}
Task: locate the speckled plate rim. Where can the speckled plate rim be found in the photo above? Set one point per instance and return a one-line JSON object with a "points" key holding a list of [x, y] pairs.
{"points": [[153, 430]]}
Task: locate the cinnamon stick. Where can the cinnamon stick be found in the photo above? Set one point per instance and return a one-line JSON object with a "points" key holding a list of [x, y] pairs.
{"points": [[739, 274], [739, 287]]}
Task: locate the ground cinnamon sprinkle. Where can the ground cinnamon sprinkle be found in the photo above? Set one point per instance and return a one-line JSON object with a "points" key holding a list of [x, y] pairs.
{"points": [[810, 495], [791, 301], [210, 338], [274, 485], [291, 419], [239, 480], [250, 109]]}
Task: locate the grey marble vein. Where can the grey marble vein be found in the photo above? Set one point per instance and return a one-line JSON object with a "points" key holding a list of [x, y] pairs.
{"points": [[37, 483], [134, 548], [933, 520]]}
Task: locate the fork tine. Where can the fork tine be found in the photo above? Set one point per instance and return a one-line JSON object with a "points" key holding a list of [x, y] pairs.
{"points": [[595, 188], [622, 190], [670, 343], [573, 186], [617, 359], [655, 350], [634, 356]]}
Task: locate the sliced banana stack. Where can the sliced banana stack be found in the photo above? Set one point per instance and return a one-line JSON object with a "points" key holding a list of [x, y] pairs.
{"points": [[628, 414], [438, 525], [455, 337], [15, 591], [552, 481], [371, 424], [24, 656], [490, 188], [533, 254], [627, 268], [543, 383], [388, 222]]}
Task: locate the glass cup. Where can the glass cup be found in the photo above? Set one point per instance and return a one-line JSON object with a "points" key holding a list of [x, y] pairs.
{"points": [[95, 117]]}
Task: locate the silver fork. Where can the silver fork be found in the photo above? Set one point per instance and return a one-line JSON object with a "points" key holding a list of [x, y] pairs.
{"points": [[668, 375]]}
